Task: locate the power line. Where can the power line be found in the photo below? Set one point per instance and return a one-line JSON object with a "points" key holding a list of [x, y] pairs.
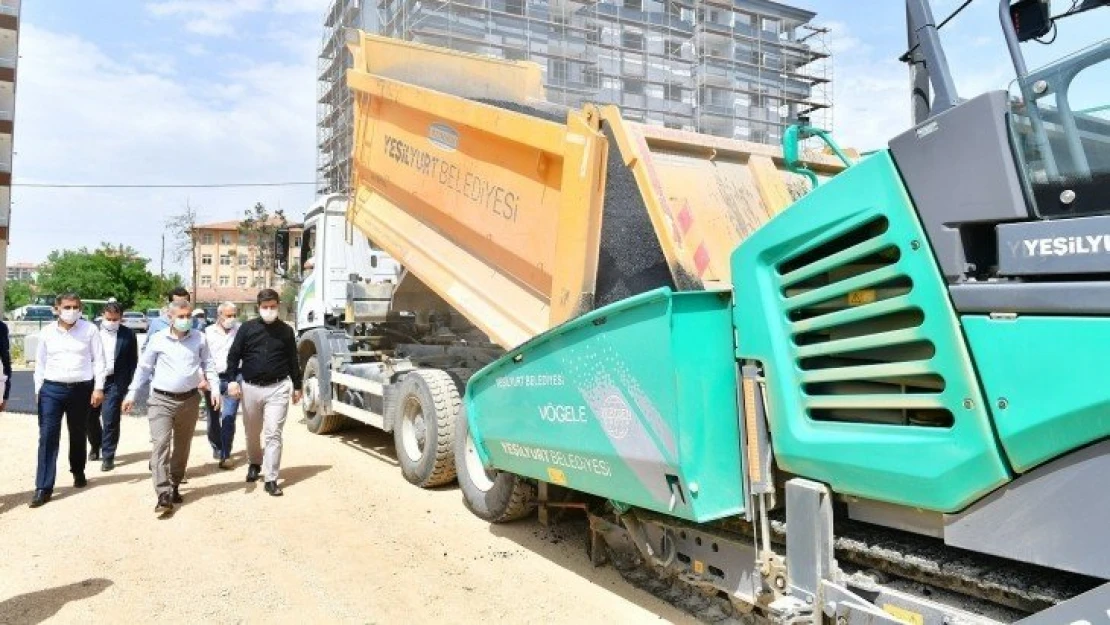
{"points": [[211, 185]]}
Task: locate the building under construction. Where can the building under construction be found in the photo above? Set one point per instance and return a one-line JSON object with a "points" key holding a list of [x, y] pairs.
{"points": [[735, 68]]}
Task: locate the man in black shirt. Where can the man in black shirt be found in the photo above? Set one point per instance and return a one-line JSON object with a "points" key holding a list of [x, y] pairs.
{"points": [[264, 352]]}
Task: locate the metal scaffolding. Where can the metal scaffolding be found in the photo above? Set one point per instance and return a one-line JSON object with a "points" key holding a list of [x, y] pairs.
{"points": [[735, 68]]}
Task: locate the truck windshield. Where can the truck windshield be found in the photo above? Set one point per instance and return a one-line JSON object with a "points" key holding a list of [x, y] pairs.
{"points": [[1060, 124]]}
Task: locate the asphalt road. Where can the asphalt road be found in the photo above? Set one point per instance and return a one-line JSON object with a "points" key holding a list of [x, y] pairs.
{"points": [[22, 397]]}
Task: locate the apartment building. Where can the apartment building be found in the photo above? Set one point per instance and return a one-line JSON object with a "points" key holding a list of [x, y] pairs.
{"points": [[229, 267], [22, 272], [9, 59], [736, 68]]}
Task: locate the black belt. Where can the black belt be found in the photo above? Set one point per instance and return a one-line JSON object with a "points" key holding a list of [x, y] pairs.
{"points": [[177, 396], [69, 384], [265, 381]]}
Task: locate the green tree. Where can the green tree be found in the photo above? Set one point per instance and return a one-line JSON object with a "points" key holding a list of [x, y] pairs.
{"points": [[17, 293], [109, 271], [257, 231]]}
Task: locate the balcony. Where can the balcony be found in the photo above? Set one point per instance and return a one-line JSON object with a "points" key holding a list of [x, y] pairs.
{"points": [[8, 49], [716, 110], [9, 14]]}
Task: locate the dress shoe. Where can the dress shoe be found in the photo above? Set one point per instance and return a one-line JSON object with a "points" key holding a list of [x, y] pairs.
{"points": [[225, 464], [253, 471], [165, 503], [94, 454], [176, 495], [79, 480], [41, 497], [107, 464], [273, 489]]}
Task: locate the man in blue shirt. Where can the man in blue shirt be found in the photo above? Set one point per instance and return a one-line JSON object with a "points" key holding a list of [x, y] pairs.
{"points": [[174, 363], [163, 322]]}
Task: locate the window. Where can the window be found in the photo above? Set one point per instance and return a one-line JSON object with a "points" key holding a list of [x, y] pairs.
{"points": [[557, 71], [672, 93], [225, 260], [633, 86], [257, 281], [771, 25], [590, 77], [242, 260], [206, 280], [515, 54], [593, 35], [224, 280], [206, 238], [516, 7], [674, 48], [558, 25], [297, 241], [206, 259], [634, 4], [632, 40], [225, 238], [241, 281]]}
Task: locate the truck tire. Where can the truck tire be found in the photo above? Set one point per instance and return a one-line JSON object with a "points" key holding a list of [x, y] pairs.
{"points": [[424, 430], [317, 421], [497, 497]]}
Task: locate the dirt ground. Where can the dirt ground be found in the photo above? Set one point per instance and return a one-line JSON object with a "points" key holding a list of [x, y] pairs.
{"points": [[350, 542]]}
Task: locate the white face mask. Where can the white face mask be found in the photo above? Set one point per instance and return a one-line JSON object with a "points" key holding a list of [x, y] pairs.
{"points": [[70, 316], [229, 322], [182, 325], [110, 326], [268, 314]]}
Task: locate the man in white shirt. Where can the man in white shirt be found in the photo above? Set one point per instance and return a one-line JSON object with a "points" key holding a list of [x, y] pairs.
{"points": [[174, 362], [69, 379], [221, 419]]}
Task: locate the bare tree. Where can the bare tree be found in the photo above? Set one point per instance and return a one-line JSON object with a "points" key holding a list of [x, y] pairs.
{"points": [[257, 231], [183, 229]]}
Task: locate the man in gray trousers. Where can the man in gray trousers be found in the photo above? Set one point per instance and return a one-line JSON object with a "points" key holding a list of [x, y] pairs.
{"points": [[264, 352], [175, 361]]}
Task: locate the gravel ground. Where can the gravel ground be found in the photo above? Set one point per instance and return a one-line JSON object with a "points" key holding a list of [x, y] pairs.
{"points": [[350, 542]]}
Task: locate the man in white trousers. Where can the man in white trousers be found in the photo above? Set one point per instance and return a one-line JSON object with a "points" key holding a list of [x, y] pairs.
{"points": [[264, 353]]}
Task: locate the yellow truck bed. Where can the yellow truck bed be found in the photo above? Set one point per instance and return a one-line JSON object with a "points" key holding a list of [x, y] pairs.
{"points": [[521, 215]]}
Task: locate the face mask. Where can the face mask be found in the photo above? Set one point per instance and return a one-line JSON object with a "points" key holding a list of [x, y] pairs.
{"points": [[70, 316], [229, 322], [110, 326], [182, 325], [268, 314]]}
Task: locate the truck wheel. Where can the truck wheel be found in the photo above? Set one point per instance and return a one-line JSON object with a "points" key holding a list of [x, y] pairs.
{"points": [[496, 496], [429, 402], [318, 422]]}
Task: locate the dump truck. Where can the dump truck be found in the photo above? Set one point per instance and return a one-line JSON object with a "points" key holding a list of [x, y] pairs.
{"points": [[783, 385], [483, 216]]}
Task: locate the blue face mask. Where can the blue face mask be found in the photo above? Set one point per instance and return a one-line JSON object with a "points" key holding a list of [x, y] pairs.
{"points": [[182, 325]]}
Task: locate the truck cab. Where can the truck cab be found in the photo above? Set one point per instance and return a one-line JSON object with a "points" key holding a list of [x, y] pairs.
{"points": [[332, 258]]}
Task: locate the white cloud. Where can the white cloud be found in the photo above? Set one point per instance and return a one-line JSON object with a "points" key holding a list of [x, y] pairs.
{"points": [[219, 17], [86, 116], [155, 63], [870, 91]]}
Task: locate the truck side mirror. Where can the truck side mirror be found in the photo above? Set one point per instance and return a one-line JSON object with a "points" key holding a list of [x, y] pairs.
{"points": [[1031, 19], [281, 250]]}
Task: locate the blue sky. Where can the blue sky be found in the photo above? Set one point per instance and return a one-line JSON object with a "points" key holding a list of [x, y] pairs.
{"points": [[169, 91], [224, 90]]}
